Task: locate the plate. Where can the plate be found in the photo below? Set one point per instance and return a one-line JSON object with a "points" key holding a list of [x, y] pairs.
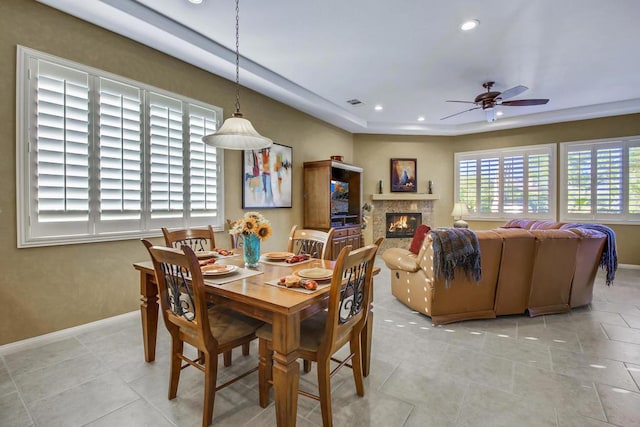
{"points": [[218, 269], [206, 254], [315, 273], [278, 255]]}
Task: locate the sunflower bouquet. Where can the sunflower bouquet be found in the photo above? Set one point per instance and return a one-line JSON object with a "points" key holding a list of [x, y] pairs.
{"points": [[252, 223]]}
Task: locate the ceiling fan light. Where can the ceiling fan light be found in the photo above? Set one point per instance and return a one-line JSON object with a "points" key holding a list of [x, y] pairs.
{"points": [[490, 114], [237, 133]]}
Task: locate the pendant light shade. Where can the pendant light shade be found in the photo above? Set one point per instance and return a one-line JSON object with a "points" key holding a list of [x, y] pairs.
{"points": [[237, 133]]}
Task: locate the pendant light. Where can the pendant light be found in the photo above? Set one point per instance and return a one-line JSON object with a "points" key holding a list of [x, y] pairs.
{"points": [[237, 133]]}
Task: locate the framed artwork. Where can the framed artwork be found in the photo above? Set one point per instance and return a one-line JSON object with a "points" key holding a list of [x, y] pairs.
{"points": [[266, 177], [404, 175]]}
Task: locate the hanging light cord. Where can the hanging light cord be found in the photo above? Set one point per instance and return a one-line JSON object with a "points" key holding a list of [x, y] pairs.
{"points": [[237, 56]]}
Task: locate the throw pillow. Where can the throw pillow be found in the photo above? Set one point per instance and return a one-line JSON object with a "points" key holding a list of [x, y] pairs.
{"points": [[418, 238]]}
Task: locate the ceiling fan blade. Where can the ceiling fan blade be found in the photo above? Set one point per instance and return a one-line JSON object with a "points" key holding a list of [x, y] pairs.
{"points": [[514, 91], [452, 115], [525, 102], [464, 102]]}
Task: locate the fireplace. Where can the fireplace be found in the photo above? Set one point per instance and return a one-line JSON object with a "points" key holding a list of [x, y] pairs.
{"points": [[402, 224]]}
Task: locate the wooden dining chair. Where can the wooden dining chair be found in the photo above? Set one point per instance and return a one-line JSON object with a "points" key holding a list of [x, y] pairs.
{"points": [[323, 334], [211, 330], [315, 243], [199, 240]]}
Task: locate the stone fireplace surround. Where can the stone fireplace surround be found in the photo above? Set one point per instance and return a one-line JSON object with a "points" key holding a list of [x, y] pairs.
{"points": [[397, 203]]}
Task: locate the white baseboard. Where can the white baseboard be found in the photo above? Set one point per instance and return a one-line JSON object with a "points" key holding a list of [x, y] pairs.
{"points": [[40, 340], [629, 266]]}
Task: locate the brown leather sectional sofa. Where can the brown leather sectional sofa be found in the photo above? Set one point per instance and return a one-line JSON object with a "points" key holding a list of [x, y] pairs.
{"points": [[542, 267]]}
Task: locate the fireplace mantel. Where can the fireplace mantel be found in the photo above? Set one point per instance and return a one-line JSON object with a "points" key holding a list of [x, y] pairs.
{"points": [[405, 196]]}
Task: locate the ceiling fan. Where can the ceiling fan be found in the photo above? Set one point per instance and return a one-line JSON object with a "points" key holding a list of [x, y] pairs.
{"points": [[489, 99]]}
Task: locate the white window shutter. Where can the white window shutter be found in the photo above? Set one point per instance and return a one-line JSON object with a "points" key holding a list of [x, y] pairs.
{"points": [[634, 179], [513, 184], [490, 185], [539, 184], [60, 158], [120, 156], [203, 160], [165, 137]]}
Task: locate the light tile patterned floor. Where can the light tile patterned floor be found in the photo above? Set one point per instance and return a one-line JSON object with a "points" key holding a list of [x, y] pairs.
{"points": [[577, 369]]}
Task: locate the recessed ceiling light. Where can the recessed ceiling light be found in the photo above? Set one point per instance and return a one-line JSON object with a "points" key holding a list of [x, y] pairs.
{"points": [[421, 119], [378, 107], [469, 25], [195, 1]]}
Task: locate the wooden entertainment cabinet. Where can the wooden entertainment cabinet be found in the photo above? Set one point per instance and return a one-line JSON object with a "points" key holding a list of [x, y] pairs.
{"points": [[317, 202]]}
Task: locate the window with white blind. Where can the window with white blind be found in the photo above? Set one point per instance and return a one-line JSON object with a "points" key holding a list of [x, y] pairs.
{"points": [[100, 157], [601, 180], [507, 183]]}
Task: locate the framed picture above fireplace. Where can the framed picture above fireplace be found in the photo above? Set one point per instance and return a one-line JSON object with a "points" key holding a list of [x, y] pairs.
{"points": [[404, 176]]}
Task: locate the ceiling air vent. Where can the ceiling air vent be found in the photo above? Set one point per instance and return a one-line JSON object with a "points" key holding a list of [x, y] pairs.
{"points": [[354, 101]]}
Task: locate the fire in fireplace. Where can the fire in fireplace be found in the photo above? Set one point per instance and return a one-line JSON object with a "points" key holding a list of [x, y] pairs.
{"points": [[402, 224]]}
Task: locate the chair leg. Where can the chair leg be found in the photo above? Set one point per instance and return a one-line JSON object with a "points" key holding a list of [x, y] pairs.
{"points": [[210, 375], [245, 349], [306, 364], [355, 346], [177, 347], [265, 367], [324, 388], [227, 358]]}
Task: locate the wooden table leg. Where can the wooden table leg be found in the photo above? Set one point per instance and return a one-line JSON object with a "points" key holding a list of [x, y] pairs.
{"points": [[286, 370], [149, 315]]}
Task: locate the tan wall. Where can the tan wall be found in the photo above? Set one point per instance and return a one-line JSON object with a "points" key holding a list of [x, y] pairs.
{"points": [[52, 288], [435, 162]]}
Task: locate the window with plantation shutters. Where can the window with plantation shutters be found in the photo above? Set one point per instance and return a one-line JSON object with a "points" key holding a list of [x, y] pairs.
{"points": [[101, 157], [601, 180], [507, 183]]}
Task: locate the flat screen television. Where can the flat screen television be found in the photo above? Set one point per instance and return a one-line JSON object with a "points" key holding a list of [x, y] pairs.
{"points": [[339, 197]]}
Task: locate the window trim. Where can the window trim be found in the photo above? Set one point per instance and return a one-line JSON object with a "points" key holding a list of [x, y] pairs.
{"points": [[25, 85], [625, 143], [501, 153]]}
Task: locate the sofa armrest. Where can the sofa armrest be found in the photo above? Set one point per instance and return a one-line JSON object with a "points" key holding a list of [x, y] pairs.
{"points": [[400, 259]]}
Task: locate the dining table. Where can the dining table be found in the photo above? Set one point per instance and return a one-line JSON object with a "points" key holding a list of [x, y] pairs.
{"points": [[253, 293]]}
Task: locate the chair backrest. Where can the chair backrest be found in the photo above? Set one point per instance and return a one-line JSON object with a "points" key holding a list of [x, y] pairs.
{"points": [[196, 238], [236, 239], [181, 292], [315, 243], [350, 296]]}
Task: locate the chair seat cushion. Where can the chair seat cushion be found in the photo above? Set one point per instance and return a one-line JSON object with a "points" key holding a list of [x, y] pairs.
{"points": [[227, 325], [311, 332]]}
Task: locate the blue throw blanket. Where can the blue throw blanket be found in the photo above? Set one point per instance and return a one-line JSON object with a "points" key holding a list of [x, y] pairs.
{"points": [[609, 258], [455, 247]]}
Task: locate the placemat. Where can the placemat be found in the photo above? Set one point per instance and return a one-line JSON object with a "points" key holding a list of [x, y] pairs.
{"points": [[264, 260], [298, 289], [241, 273]]}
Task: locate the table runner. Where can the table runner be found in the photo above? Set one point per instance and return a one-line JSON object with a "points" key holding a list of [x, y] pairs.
{"points": [[239, 274], [264, 260], [321, 285]]}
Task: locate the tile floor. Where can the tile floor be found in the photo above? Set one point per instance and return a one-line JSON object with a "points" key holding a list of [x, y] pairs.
{"points": [[579, 369]]}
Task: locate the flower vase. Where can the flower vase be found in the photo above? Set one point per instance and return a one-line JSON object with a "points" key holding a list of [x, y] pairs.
{"points": [[251, 250]]}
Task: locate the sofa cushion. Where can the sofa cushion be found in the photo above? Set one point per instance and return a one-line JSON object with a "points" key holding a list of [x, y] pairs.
{"points": [[519, 223], [418, 238]]}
